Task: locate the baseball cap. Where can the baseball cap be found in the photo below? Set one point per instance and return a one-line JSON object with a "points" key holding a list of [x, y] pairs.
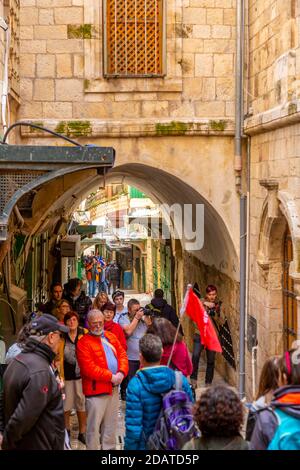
{"points": [[118, 292], [46, 324]]}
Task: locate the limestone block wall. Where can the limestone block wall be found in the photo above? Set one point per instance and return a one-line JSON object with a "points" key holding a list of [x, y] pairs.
{"points": [[193, 270], [62, 64], [273, 66], [275, 160], [2, 42]]}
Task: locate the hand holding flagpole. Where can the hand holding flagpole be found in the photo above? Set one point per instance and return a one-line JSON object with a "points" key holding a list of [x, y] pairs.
{"points": [[194, 309], [182, 310]]}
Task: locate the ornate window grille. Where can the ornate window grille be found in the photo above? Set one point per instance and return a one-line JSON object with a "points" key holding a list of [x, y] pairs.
{"points": [[133, 38]]}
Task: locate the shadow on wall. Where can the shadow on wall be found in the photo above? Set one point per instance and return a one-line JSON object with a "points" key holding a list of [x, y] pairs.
{"points": [[228, 291]]}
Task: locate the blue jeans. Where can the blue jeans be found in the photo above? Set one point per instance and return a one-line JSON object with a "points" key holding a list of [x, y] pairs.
{"points": [[92, 288], [102, 286], [210, 357]]}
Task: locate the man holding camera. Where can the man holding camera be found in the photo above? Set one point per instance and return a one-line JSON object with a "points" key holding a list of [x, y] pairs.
{"points": [[134, 328]]}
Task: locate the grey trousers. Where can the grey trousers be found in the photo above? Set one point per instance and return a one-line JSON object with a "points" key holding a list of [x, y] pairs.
{"points": [[102, 420]]}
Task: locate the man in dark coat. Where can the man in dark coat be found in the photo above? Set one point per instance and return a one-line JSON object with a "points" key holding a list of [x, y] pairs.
{"points": [[161, 308], [78, 300], [33, 404], [56, 293]]}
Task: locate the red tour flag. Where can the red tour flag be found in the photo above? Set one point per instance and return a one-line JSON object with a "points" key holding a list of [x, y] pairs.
{"points": [[194, 309]]}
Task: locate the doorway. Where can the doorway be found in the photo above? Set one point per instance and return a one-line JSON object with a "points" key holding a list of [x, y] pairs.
{"points": [[289, 296]]}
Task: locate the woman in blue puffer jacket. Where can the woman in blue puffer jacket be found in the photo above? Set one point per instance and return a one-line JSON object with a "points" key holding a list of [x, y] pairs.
{"points": [[144, 393]]}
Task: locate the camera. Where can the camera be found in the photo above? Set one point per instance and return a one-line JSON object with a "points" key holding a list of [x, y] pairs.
{"points": [[147, 311]]}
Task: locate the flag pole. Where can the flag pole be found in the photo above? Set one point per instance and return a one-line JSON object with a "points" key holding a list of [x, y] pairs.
{"points": [[173, 345], [182, 310]]}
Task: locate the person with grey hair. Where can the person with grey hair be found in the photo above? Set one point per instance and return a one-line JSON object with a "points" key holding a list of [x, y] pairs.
{"points": [[33, 403], [103, 365], [144, 393]]}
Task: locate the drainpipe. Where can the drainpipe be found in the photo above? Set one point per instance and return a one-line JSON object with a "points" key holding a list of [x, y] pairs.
{"points": [[240, 32], [243, 253], [4, 98], [239, 116]]}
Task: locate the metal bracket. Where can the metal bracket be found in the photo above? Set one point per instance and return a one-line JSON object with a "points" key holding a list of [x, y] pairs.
{"points": [[24, 168]]}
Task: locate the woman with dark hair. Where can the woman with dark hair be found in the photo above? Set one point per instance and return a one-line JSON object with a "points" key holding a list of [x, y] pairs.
{"points": [[278, 426], [180, 359], [268, 383], [109, 311], [70, 373], [219, 415]]}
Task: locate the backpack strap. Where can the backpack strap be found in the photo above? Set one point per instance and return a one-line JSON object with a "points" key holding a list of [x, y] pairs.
{"points": [[105, 341], [178, 380]]}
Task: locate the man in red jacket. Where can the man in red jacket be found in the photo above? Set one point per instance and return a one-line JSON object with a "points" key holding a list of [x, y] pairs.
{"points": [[103, 364]]}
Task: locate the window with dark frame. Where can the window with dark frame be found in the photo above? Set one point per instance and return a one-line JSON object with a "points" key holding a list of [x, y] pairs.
{"points": [[289, 296], [133, 38]]}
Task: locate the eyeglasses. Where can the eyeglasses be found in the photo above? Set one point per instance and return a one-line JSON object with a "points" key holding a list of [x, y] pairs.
{"points": [[95, 323]]}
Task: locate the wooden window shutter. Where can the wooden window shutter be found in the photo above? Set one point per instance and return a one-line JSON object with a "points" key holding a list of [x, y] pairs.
{"points": [[134, 38]]}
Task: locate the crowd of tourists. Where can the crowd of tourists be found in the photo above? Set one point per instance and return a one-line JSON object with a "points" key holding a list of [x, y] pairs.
{"points": [[84, 355]]}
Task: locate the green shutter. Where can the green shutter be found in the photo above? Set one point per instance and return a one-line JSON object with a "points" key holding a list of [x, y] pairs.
{"points": [[136, 194]]}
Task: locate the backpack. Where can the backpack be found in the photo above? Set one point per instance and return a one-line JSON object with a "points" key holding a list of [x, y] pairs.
{"points": [[251, 419], [287, 434], [175, 425]]}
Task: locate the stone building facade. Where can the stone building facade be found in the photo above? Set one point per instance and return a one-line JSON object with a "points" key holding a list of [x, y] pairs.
{"points": [[272, 124], [172, 131]]}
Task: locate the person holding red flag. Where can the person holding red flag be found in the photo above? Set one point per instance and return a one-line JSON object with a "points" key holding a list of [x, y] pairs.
{"points": [[205, 336]]}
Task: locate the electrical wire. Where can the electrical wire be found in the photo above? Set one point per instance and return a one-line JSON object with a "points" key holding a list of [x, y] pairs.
{"points": [[35, 126]]}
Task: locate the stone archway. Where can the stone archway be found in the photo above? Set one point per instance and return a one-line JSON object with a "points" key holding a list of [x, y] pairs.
{"points": [[280, 215], [214, 263]]}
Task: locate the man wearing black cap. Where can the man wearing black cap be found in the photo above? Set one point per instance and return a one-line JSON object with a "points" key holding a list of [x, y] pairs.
{"points": [[33, 403], [161, 308]]}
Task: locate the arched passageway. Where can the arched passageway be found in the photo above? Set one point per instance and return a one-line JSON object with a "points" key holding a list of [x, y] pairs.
{"points": [[216, 262]]}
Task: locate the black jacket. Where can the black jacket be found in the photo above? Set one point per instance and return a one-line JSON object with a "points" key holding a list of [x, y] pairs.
{"points": [[48, 307], [266, 420], [81, 305], [33, 405], [161, 308]]}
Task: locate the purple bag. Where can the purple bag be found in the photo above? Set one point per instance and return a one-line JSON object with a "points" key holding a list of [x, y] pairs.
{"points": [[175, 425]]}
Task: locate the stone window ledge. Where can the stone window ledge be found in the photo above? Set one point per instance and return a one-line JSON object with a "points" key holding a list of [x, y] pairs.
{"points": [[132, 128], [281, 116], [136, 85]]}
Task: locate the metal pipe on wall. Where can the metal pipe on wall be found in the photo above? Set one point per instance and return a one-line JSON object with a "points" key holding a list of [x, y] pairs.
{"points": [[243, 252], [240, 33], [4, 96], [239, 117]]}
